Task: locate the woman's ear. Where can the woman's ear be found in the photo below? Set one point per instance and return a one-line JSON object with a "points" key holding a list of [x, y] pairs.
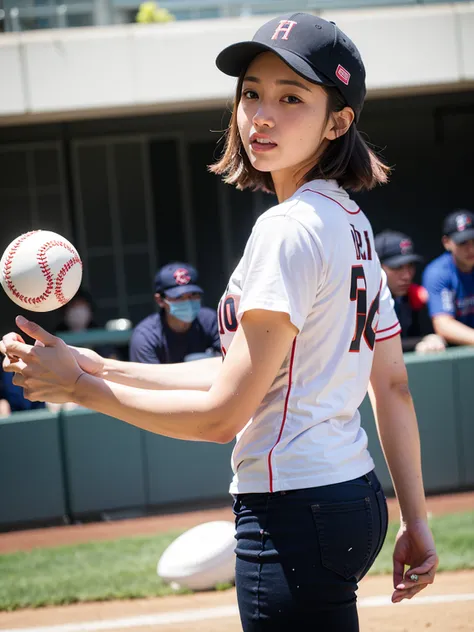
{"points": [[339, 123]]}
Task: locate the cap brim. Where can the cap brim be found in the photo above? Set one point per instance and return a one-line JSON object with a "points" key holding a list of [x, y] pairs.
{"points": [[462, 236], [401, 260], [236, 58], [176, 292]]}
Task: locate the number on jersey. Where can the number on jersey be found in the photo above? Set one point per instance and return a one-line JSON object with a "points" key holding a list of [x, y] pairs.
{"points": [[227, 316], [364, 321]]}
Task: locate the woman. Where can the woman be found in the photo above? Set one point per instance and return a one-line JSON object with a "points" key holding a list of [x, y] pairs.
{"points": [[299, 323]]}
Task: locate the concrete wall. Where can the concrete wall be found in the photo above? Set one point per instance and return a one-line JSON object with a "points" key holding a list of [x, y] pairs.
{"points": [[74, 73]]}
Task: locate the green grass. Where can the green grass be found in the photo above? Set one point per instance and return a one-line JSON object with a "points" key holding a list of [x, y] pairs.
{"points": [[95, 571], [124, 569], [454, 537]]}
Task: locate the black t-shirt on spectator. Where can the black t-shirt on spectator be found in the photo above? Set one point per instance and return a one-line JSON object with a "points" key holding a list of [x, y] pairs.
{"points": [[415, 322]]}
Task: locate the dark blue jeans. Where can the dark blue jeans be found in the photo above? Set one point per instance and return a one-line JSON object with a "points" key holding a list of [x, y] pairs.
{"points": [[301, 553]]}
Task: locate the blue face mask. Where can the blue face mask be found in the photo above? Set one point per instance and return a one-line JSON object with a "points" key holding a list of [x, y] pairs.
{"points": [[186, 311]]}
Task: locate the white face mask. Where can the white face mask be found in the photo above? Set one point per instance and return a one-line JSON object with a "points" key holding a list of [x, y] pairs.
{"points": [[78, 317]]}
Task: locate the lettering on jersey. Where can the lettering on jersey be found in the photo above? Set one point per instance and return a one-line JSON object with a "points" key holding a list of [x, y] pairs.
{"points": [[364, 321], [464, 306], [227, 317], [363, 251], [447, 300]]}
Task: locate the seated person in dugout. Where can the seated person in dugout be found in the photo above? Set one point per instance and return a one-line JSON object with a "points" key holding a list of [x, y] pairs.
{"points": [[182, 327], [449, 280], [398, 259]]}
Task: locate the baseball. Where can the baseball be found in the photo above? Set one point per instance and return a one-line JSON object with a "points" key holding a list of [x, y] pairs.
{"points": [[40, 271]]}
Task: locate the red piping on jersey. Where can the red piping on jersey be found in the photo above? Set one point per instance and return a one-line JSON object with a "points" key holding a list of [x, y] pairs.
{"points": [[388, 337], [379, 331], [285, 411], [332, 200]]}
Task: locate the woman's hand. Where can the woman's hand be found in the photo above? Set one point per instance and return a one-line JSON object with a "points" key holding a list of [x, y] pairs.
{"points": [[47, 371], [415, 548], [89, 361]]}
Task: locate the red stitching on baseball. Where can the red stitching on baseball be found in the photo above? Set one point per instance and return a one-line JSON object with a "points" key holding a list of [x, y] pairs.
{"points": [[45, 269], [60, 278]]}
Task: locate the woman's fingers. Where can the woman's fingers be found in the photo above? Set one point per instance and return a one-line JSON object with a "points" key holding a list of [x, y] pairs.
{"points": [[408, 593]]}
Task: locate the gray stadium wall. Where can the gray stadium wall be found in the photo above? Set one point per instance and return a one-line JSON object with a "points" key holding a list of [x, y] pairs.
{"points": [[76, 464]]}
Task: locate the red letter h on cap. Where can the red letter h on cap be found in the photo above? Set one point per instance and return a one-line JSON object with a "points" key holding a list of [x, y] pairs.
{"points": [[284, 27]]}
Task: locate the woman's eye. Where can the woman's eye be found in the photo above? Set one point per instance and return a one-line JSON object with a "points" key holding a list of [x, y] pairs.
{"points": [[291, 99], [250, 94]]}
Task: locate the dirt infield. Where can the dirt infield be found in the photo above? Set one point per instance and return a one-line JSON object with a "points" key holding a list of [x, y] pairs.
{"points": [[71, 534], [448, 606], [215, 612]]}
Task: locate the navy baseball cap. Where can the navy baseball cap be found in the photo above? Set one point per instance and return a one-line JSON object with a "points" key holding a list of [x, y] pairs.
{"points": [[395, 249], [314, 48], [459, 226], [175, 279]]}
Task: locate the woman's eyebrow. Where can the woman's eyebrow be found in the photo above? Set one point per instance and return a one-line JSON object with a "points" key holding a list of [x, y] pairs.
{"points": [[281, 82]]}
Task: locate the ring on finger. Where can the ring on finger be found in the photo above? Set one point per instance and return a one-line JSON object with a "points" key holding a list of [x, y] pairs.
{"points": [[414, 577]]}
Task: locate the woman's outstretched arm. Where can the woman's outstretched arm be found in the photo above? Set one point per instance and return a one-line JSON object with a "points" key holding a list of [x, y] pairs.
{"points": [[259, 348]]}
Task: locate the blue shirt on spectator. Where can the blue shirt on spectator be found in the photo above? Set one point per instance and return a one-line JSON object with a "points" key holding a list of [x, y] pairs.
{"points": [[14, 394], [450, 290], [153, 342]]}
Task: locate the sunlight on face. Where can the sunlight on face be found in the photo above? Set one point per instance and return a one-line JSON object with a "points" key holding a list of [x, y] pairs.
{"points": [[281, 117], [463, 253]]}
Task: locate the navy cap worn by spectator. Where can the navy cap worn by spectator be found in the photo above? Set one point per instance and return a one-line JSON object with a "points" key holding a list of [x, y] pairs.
{"points": [[459, 226], [314, 48], [175, 279], [395, 249]]}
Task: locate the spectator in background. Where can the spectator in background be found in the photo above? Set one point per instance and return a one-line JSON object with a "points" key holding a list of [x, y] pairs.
{"points": [[12, 399], [78, 316], [182, 326], [398, 259], [5, 409], [449, 280]]}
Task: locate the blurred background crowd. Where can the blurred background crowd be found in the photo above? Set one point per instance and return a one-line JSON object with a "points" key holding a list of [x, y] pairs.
{"points": [[435, 313]]}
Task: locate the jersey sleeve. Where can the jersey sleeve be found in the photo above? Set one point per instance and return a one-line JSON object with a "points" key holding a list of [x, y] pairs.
{"points": [[388, 325], [440, 293], [282, 268]]}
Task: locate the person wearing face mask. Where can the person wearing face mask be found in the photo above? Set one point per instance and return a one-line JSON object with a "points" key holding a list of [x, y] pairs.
{"points": [[78, 315], [182, 327]]}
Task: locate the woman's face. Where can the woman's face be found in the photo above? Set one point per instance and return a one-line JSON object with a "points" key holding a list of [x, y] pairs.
{"points": [[282, 118]]}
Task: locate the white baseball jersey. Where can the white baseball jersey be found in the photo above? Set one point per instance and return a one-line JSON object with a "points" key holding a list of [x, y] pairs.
{"points": [[312, 257]]}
